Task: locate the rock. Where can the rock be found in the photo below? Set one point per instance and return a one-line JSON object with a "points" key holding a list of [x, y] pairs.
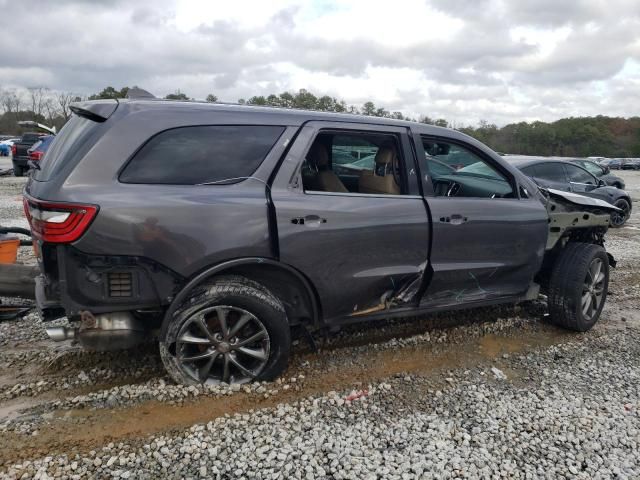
{"points": [[498, 374]]}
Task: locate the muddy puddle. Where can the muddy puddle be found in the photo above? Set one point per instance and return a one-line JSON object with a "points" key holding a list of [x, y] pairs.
{"points": [[84, 430]]}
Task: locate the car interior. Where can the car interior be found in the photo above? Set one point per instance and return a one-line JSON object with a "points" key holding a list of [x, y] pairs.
{"points": [[458, 172], [354, 163], [371, 163]]}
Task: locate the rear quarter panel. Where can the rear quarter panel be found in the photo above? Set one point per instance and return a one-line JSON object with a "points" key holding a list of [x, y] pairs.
{"points": [[184, 227]]}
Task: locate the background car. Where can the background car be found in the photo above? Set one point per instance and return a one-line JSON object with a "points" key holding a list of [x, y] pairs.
{"points": [[631, 164], [20, 149], [600, 171], [569, 177], [612, 163], [38, 149]]}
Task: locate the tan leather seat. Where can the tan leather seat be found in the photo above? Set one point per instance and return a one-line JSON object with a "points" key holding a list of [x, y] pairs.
{"points": [[381, 180], [324, 180]]}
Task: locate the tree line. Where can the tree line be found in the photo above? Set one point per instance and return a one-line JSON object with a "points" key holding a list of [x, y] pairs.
{"points": [[575, 136]]}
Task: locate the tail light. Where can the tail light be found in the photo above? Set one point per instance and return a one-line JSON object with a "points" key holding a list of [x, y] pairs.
{"points": [[58, 222], [14, 150], [36, 155]]}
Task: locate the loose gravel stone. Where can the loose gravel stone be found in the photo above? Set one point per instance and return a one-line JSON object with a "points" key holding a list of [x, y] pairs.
{"points": [[569, 409]]}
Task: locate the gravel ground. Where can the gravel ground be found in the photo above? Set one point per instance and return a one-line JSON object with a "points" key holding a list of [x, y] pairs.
{"points": [[483, 393]]}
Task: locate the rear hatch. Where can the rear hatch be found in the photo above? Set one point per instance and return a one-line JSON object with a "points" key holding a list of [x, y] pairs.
{"points": [[75, 139]]}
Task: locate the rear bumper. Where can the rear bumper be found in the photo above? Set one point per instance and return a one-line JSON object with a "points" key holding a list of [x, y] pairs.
{"points": [[73, 282], [49, 308]]}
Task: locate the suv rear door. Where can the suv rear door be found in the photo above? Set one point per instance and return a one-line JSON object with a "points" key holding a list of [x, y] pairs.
{"points": [[363, 252], [488, 237]]}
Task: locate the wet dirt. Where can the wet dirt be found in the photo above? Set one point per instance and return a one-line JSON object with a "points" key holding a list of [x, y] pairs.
{"points": [[83, 430]]}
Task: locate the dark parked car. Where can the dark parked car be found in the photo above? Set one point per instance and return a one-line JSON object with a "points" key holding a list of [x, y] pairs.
{"points": [[631, 164], [38, 149], [221, 227], [20, 152], [568, 177], [20, 149], [600, 171], [612, 163]]}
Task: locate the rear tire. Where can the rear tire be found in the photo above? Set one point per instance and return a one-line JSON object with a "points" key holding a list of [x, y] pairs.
{"points": [[618, 219], [578, 286], [232, 330], [18, 171]]}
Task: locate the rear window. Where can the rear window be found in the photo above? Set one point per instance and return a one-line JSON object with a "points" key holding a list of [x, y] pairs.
{"points": [[73, 141], [31, 137], [204, 154]]}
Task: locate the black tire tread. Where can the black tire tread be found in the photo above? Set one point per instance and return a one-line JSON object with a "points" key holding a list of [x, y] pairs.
{"points": [[237, 286], [567, 274]]}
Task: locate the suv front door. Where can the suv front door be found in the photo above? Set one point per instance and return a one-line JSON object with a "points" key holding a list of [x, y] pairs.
{"points": [[488, 242], [363, 252]]}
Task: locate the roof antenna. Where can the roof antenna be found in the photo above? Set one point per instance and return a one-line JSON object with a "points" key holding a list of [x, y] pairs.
{"points": [[136, 92]]}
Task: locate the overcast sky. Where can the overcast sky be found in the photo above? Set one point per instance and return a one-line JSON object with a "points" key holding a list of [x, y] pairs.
{"points": [[464, 60]]}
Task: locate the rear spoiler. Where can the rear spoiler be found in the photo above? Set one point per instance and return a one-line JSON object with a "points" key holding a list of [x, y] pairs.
{"points": [[96, 110]]}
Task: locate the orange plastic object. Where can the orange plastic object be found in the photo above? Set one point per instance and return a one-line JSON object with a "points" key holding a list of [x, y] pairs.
{"points": [[9, 250]]}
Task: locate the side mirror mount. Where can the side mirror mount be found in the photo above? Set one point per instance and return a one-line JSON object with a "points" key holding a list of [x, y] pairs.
{"points": [[601, 183]]}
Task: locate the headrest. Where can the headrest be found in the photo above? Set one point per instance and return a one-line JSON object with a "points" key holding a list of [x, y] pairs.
{"points": [[384, 156], [318, 156]]}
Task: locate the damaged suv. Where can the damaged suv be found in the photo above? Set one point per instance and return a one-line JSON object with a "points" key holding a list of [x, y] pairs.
{"points": [[217, 228]]}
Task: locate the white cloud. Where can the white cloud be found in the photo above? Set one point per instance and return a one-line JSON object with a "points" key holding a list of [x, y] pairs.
{"points": [[463, 60]]}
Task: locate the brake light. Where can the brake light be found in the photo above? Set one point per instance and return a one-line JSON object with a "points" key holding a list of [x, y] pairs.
{"points": [[14, 150], [36, 155], [58, 222]]}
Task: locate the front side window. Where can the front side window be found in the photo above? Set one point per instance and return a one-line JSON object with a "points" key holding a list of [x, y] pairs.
{"points": [[354, 162], [578, 175], [203, 154], [456, 171], [592, 168]]}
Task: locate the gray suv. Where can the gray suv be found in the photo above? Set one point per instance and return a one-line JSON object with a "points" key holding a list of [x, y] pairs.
{"points": [[217, 228]]}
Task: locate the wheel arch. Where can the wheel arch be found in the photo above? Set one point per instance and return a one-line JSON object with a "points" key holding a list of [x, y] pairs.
{"points": [[290, 286]]}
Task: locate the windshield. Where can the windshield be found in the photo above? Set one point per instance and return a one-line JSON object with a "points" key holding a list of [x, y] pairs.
{"points": [[482, 169]]}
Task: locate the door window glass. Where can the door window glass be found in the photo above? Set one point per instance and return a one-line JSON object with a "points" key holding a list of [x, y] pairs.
{"points": [[578, 175], [458, 172], [592, 168], [550, 171], [345, 162]]}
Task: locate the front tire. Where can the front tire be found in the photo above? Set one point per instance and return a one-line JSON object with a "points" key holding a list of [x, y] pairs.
{"points": [[618, 219], [578, 286], [232, 330]]}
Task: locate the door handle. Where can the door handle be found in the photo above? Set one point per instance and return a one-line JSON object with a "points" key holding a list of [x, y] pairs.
{"points": [[454, 219], [309, 220]]}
